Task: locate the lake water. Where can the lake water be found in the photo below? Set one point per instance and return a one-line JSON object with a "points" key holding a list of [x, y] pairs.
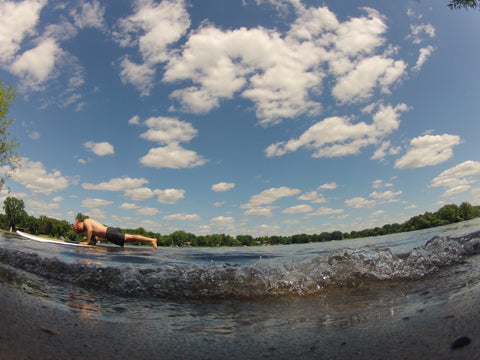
{"points": [[232, 295]]}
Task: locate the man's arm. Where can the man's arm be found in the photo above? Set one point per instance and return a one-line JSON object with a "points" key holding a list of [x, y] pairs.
{"points": [[89, 228]]}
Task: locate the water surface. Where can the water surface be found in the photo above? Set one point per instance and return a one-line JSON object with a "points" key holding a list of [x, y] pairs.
{"points": [[232, 295]]}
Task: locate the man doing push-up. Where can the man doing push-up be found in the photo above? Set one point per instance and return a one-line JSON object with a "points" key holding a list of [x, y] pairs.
{"points": [[95, 230]]}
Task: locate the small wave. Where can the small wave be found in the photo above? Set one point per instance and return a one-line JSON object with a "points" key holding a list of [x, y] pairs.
{"points": [[314, 275]]}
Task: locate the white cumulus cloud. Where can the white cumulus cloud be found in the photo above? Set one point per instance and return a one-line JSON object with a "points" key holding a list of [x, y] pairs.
{"points": [[322, 211], [269, 196], [89, 15], [147, 211], [172, 156], [164, 130], [153, 28], [428, 150], [222, 186], [298, 209], [37, 64], [92, 203], [18, 20], [182, 217], [282, 73], [457, 179], [100, 149], [34, 176], [170, 132], [339, 136], [170, 196], [423, 57], [117, 184]]}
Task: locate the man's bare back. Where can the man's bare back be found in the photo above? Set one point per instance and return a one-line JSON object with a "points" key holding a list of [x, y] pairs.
{"points": [[95, 228]]}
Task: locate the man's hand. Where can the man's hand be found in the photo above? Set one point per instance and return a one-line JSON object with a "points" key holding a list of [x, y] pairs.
{"points": [[87, 243]]}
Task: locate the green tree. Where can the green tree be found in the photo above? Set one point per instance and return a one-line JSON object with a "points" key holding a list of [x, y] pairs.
{"points": [[81, 217], [14, 210], [215, 240], [337, 235], [466, 211], [59, 228], [275, 239], [300, 239], [246, 240], [448, 213], [463, 4], [200, 241], [391, 228], [181, 237], [325, 236], [45, 225], [8, 155], [30, 223]]}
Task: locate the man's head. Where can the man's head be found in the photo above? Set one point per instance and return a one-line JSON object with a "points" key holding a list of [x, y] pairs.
{"points": [[78, 226]]}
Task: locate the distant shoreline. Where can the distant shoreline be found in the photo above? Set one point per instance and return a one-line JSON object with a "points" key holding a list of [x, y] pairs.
{"points": [[446, 215]]}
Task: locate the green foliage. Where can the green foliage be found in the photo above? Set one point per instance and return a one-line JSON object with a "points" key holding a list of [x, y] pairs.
{"points": [[16, 216], [179, 238], [446, 215], [14, 211], [245, 240], [81, 217], [463, 4], [8, 155]]}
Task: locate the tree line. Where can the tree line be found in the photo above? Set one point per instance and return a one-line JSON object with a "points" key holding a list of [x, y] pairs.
{"points": [[15, 216]]}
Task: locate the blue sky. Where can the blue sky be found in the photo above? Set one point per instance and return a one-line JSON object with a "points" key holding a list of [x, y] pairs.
{"points": [[256, 117]]}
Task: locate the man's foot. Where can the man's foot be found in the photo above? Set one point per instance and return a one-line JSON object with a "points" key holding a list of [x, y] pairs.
{"points": [[154, 244]]}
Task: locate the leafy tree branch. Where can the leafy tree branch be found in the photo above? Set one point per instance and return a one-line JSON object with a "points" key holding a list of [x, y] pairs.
{"points": [[8, 144]]}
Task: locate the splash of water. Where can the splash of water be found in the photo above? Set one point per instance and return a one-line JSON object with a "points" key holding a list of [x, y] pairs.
{"points": [[314, 275]]}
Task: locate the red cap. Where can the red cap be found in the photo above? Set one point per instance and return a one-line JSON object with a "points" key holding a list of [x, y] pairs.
{"points": [[76, 225]]}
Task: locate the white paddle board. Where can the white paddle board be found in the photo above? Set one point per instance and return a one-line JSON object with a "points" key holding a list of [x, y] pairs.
{"points": [[53, 241], [45, 240]]}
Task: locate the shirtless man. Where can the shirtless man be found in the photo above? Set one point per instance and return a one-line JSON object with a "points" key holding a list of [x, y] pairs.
{"points": [[95, 230]]}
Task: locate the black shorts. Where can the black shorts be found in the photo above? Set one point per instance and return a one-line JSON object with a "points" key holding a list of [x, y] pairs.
{"points": [[115, 236]]}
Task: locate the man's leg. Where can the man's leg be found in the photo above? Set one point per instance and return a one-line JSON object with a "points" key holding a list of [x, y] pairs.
{"points": [[140, 238]]}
